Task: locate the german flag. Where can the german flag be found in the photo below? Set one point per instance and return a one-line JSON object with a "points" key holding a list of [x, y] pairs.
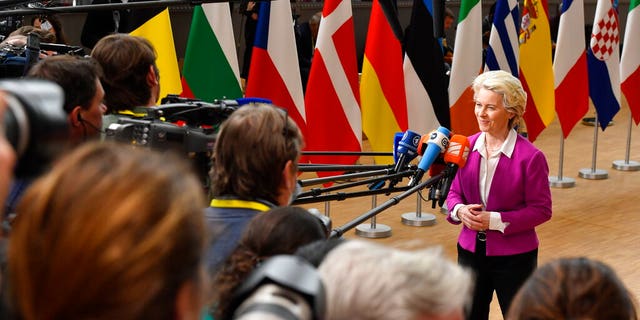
{"points": [[382, 90]]}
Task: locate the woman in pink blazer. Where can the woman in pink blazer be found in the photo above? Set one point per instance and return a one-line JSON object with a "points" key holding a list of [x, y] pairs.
{"points": [[500, 196]]}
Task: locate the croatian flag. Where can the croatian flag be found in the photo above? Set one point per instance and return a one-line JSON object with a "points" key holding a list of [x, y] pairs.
{"points": [[603, 60], [503, 50], [570, 67], [274, 72]]}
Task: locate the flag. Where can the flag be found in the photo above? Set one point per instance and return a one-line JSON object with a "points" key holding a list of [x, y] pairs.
{"points": [[467, 64], [630, 62], [332, 100], [382, 93], [570, 67], [502, 53], [603, 61], [210, 69], [536, 67], [424, 74], [157, 29], [274, 72]]}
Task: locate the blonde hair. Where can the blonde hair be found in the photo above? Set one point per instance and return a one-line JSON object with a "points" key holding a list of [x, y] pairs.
{"points": [[509, 87], [111, 232], [364, 280]]}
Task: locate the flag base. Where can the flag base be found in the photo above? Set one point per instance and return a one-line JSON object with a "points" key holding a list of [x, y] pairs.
{"points": [[623, 165], [422, 220], [561, 182], [373, 231], [593, 174]]}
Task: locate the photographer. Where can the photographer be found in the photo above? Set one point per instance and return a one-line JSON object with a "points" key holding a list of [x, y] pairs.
{"points": [[130, 76], [255, 166], [79, 79]]}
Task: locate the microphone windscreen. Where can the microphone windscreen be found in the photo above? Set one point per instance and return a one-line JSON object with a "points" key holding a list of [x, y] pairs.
{"points": [[408, 145], [396, 140], [422, 144], [438, 142], [458, 150]]}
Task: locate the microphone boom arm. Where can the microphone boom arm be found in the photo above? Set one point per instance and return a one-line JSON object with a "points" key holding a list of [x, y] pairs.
{"points": [[339, 231]]}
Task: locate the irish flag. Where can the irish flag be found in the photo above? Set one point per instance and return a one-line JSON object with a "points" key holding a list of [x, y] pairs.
{"points": [[467, 64], [630, 61], [210, 69]]}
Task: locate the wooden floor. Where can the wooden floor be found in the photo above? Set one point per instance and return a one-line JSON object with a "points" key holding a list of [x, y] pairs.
{"points": [[599, 219]]}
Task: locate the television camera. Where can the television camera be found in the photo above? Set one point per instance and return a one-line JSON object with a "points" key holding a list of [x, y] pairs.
{"points": [[182, 125]]}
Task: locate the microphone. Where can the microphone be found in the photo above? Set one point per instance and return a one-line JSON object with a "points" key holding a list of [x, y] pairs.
{"points": [[407, 149], [437, 143], [455, 157], [396, 139]]}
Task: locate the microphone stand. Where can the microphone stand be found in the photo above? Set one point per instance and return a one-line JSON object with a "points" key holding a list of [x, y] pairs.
{"points": [[303, 167], [339, 231], [388, 172], [319, 191], [346, 195]]}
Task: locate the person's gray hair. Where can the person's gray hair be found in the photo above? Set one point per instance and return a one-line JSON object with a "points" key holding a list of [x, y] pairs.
{"points": [[509, 87], [365, 280]]}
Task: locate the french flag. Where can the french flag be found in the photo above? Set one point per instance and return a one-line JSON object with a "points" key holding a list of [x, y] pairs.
{"points": [[274, 72], [570, 67], [603, 60]]}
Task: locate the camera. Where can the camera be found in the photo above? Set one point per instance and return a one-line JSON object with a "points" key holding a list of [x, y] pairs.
{"points": [[183, 125], [35, 123], [283, 287]]}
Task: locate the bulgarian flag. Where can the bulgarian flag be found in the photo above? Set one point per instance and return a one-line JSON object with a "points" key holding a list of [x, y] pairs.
{"points": [[630, 61], [210, 69], [467, 64]]}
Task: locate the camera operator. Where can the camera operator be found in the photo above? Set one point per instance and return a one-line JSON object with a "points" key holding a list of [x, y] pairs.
{"points": [[79, 79], [130, 75]]}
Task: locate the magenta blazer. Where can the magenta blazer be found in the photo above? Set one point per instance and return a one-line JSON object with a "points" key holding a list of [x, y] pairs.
{"points": [[519, 191]]}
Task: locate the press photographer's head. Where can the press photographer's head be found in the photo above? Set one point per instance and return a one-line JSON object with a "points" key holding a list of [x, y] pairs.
{"points": [[131, 78]]}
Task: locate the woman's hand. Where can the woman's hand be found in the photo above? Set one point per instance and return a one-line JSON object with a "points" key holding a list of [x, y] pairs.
{"points": [[474, 217]]}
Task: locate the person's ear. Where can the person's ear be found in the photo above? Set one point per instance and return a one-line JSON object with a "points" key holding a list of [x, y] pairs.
{"points": [[288, 176], [188, 302], [75, 117], [152, 76]]}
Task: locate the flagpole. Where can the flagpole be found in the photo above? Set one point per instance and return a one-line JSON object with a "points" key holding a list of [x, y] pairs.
{"points": [[593, 173], [626, 165], [559, 181]]}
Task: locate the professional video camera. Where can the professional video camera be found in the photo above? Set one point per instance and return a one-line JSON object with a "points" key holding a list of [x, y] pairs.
{"points": [[35, 123], [283, 287], [185, 125], [189, 126]]}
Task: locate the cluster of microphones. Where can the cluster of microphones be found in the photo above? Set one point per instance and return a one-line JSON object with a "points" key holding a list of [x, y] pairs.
{"points": [[438, 146]]}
